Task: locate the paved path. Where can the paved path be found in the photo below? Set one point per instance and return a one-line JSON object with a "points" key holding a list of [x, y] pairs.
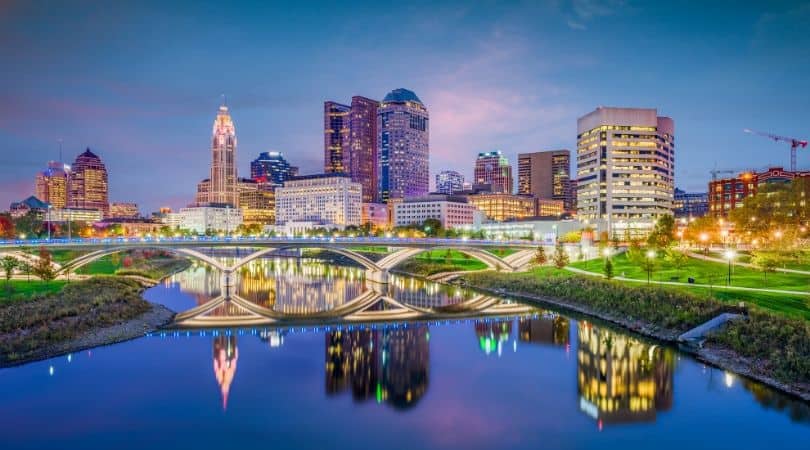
{"points": [[676, 283], [742, 264]]}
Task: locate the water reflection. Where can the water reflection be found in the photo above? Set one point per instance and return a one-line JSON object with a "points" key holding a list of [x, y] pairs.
{"points": [[226, 355], [390, 365], [621, 379]]}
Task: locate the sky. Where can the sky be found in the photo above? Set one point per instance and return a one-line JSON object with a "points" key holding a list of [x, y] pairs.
{"points": [[140, 82]]}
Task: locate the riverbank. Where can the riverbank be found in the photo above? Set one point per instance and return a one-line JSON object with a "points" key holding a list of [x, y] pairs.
{"points": [[770, 349], [85, 314]]}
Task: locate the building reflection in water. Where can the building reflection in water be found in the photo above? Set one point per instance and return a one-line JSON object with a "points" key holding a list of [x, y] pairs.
{"points": [[493, 335], [226, 355], [621, 379], [549, 328], [390, 365]]}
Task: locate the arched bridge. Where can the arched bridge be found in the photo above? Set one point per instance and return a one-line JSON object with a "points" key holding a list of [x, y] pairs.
{"points": [[377, 271]]}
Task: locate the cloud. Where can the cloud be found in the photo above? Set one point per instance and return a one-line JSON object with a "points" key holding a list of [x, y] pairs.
{"points": [[575, 25]]}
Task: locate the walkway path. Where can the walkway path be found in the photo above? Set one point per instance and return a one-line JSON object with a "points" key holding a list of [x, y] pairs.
{"points": [[742, 264], [676, 283]]}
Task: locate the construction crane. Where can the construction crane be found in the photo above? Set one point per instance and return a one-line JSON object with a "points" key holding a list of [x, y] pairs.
{"points": [[794, 144]]}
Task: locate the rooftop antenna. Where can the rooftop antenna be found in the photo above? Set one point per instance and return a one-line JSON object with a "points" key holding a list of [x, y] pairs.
{"points": [[224, 100], [60, 149]]}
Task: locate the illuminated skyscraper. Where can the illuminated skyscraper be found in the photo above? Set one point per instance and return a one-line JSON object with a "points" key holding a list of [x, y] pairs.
{"points": [[546, 175], [89, 184], [336, 137], [52, 184], [271, 167], [449, 182], [493, 168], [625, 168], [403, 143], [223, 187], [363, 145], [350, 142]]}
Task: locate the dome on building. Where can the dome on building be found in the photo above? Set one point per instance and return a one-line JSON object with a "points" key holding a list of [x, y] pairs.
{"points": [[401, 96], [88, 154]]}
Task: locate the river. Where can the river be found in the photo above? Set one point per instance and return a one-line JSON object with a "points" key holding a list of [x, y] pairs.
{"points": [[537, 379]]}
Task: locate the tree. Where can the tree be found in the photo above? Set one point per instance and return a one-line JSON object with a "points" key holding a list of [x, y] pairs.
{"points": [[540, 257], [9, 263], [678, 259], [25, 268], [608, 269], [661, 236], [43, 267], [6, 226], [648, 265], [560, 256], [766, 263]]}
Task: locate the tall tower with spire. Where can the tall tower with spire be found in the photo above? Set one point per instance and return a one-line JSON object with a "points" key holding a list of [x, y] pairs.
{"points": [[223, 187]]}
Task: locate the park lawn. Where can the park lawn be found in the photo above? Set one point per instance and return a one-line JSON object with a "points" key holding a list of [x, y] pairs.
{"points": [[501, 252], [745, 257], [23, 289], [101, 266], [60, 255], [704, 272]]}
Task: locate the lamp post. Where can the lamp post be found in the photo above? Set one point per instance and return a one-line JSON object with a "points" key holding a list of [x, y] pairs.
{"points": [[650, 259], [556, 234], [730, 257], [49, 222]]}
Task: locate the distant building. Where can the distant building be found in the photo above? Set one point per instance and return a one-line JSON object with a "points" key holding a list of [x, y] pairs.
{"points": [[546, 175], [89, 187], [271, 167], [73, 215], [52, 184], [123, 210], [376, 215], [500, 206], [203, 190], [729, 193], [258, 205], [222, 187], [625, 168], [403, 143], [332, 199], [131, 227], [451, 210], [546, 230], [449, 182], [336, 137], [22, 208], [213, 217], [549, 208], [364, 152], [494, 169], [690, 204]]}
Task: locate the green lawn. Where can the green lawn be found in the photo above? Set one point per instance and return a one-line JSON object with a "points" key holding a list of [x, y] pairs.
{"points": [[790, 305], [704, 272], [22, 289], [101, 266], [60, 255]]}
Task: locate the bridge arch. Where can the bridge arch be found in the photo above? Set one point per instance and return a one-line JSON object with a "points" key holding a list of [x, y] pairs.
{"points": [[492, 261], [354, 256], [83, 260]]}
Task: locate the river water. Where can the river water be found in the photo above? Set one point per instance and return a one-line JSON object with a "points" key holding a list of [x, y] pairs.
{"points": [[531, 380]]}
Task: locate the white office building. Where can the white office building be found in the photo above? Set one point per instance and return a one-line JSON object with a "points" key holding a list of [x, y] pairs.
{"points": [[625, 168], [451, 210], [214, 217], [333, 200]]}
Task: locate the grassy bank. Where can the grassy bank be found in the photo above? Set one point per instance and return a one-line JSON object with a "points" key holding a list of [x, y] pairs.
{"points": [[28, 327], [154, 266], [776, 347], [22, 289]]}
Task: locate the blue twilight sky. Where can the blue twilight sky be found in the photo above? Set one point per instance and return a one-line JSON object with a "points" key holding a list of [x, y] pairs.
{"points": [[139, 82]]}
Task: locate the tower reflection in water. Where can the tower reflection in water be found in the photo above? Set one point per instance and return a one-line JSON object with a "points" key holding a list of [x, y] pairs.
{"points": [[226, 355], [390, 365], [621, 379]]}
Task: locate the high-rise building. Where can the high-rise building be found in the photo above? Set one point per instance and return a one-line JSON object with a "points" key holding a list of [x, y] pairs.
{"points": [[493, 168], [546, 175], [328, 199], [271, 167], [52, 184], [223, 187], [690, 204], [403, 143], [336, 137], [449, 182], [89, 184], [363, 152], [625, 168]]}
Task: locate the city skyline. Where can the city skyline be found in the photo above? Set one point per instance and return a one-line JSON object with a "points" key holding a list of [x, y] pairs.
{"points": [[133, 116]]}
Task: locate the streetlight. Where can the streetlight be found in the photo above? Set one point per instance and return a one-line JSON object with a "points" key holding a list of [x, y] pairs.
{"points": [[556, 235], [650, 258], [730, 257], [703, 238], [49, 222]]}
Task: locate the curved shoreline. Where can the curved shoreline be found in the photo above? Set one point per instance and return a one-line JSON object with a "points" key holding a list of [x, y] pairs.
{"points": [[719, 357]]}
